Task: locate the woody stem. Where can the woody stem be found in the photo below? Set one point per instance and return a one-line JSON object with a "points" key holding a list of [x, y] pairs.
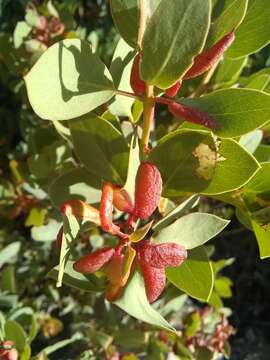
{"points": [[148, 116]]}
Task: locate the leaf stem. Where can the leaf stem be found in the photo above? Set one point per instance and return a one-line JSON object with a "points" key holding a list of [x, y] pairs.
{"points": [[148, 116], [128, 94]]}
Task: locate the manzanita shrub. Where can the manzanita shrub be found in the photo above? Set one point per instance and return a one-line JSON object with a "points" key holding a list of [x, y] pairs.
{"points": [[137, 183]]}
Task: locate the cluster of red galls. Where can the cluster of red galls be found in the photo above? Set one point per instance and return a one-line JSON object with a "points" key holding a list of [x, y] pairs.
{"points": [[119, 263]]}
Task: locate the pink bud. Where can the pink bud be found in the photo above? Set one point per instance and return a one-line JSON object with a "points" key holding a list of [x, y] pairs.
{"points": [[148, 190], [192, 115], [93, 262], [173, 90], [204, 61]]}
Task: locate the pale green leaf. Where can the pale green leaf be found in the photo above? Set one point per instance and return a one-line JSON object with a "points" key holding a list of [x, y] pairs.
{"points": [[133, 165], [195, 276], [262, 153], [15, 333], [174, 214], [230, 18], [168, 47], [21, 31], [230, 168], [263, 239], [140, 233], [126, 15], [251, 140], [68, 81], [101, 147], [236, 111], [77, 183], [254, 32], [134, 302], [260, 82], [120, 69], [229, 70], [192, 230], [9, 253]]}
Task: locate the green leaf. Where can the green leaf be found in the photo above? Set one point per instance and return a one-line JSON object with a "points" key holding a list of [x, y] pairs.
{"points": [[77, 183], [229, 70], [43, 164], [262, 153], [133, 165], [26, 354], [243, 81], [71, 229], [254, 32], [9, 253], [223, 287], [260, 82], [251, 140], [15, 333], [8, 280], [125, 14], [32, 17], [101, 147], [186, 205], [204, 353], [192, 324], [36, 217], [77, 280], [100, 338], [21, 31], [68, 81], [232, 166], [60, 344], [134, 302], [263, 239], [195, 276], [169, 46], [192, 230], [236, 111], [46, 233], [261, 181], [231, 17], [130, 338], [215, 300], [140, 233], [120, 69]]}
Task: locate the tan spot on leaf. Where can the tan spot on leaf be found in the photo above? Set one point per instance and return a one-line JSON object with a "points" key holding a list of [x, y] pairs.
{"points": [[207, 159]]}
